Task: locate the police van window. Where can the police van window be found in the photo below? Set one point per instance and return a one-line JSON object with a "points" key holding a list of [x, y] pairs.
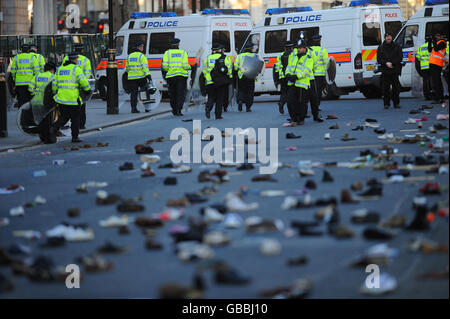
{"points": [[371, 33], [119, 45], [274, 41], [309, 32], [408, 36], [222, 37], [255, 39], [392, 27], [434, 27], [239, 38], [160, 42], [134, 38]]}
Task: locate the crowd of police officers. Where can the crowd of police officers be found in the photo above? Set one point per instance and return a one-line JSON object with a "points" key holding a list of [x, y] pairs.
{"points": [[299, 73]]}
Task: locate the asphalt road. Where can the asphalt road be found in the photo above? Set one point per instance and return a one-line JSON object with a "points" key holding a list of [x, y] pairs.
{"points": [[139, 272]]}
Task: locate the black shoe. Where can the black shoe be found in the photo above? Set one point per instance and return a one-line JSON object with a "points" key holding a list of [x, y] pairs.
{"points": [[281, 109], [248, 109], [219, 117], [377, 233], [76, 140], [135, 111], [386, 107], [146, 111], [374, 190], [397, 106], [174, 112], [327, 177], [292, 135], [318, 119], [208, 114], [82, 127], [420, 221], [240, 107], [225, 109], [230, 276]]}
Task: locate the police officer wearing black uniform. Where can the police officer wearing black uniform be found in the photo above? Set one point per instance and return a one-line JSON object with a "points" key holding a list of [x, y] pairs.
{"points": [[281, 65]]}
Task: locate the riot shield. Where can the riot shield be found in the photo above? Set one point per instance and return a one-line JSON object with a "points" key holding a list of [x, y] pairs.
{"points": [[252, 66], [149, 96], [330, 75]]}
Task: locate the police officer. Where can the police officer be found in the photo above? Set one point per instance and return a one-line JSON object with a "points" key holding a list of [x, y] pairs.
{"points": [[280, 70], [85, 64], [246, 87], [423, 56], [39, 58], [68, 81], [217, 79], [138, 74], [437, 48], [42, 79], [298, 73], [313, 94], [23, 69], [229, 65], [389, 57], [320, 67], [175, 66]]}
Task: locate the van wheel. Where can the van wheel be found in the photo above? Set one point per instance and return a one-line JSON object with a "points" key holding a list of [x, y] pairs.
{"points": [[327, 93], [371, 92], [102, 88]]}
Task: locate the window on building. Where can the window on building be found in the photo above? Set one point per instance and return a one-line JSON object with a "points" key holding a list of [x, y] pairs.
{"points": [[275, 41], [160, 42], [371, 33], [134, 39], [222, 37]]}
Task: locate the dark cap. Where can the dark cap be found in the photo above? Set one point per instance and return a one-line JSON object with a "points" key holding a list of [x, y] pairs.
{"points": [[73, 56], [249, 45], [288, 44], [49, 66], [388, 33], [25, 47], [216, 46], [316, 37], [175, 41], [140, 43]]}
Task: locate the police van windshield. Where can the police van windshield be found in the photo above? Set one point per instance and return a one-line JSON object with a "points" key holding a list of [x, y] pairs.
{"points": [[407, 38], [274, 41], [371, 33], [239, 38], [393, 27], [119, 45]]}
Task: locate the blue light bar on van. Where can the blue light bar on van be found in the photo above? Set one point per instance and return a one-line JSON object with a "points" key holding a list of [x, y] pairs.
{"points": [[434, 2], [225, 11], [141, 15], [271, 11], [359, 3]]}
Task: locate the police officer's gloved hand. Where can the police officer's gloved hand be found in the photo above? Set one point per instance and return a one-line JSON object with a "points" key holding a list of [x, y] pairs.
{"points": [[291, 77]]}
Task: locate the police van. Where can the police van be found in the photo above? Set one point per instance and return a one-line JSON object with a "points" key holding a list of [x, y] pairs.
{"points": [[431, 18], [230, 27], [351, 36]]}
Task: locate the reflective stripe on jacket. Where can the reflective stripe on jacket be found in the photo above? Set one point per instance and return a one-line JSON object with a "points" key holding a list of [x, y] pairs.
{"points": [[84, 63], [176, 63], [39, 81], [423, 56], [137, 66]]}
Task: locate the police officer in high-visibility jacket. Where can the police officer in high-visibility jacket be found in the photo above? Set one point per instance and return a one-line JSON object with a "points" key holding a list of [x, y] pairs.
{"points": [[246, 87], [280, 70], [85, 64], [423, 56], [39, 58], [298, 72], [320, 67], [42, 79], [138, 74], [229, 65], [68, 81], [437, 49], [23, 70], [175, 64], [217, 79]]}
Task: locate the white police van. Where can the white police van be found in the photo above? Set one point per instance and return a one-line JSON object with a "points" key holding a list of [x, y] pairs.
{"points": [[351, 36], [432, 18], [230, 27]]}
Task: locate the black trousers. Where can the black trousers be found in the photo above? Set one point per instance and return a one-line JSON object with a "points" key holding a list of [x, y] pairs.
{"points": [[436, 82], [226, 98], [246, 91], [313, 99], [72, 113], [83, 115], [387, 81], [134, 88], [297, 103], [177, 92], [216, 96], [426, 81], [23, 95], [320, 84], [284, 89]]}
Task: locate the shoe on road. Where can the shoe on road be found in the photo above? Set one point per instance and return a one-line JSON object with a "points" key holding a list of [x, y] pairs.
{"points": [[76, 140]]}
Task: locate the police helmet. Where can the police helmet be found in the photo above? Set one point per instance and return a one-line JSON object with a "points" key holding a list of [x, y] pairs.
{"points": [[316, 37], [301, 43], [289, 44], [25, 47], [175, 41], [73, 56], [216, 46]]}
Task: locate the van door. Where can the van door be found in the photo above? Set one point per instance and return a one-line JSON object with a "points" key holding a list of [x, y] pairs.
{"points": [[409, 41]]}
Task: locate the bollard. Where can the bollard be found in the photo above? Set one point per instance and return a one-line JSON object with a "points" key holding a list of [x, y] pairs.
{"points": [[3, 108]]}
